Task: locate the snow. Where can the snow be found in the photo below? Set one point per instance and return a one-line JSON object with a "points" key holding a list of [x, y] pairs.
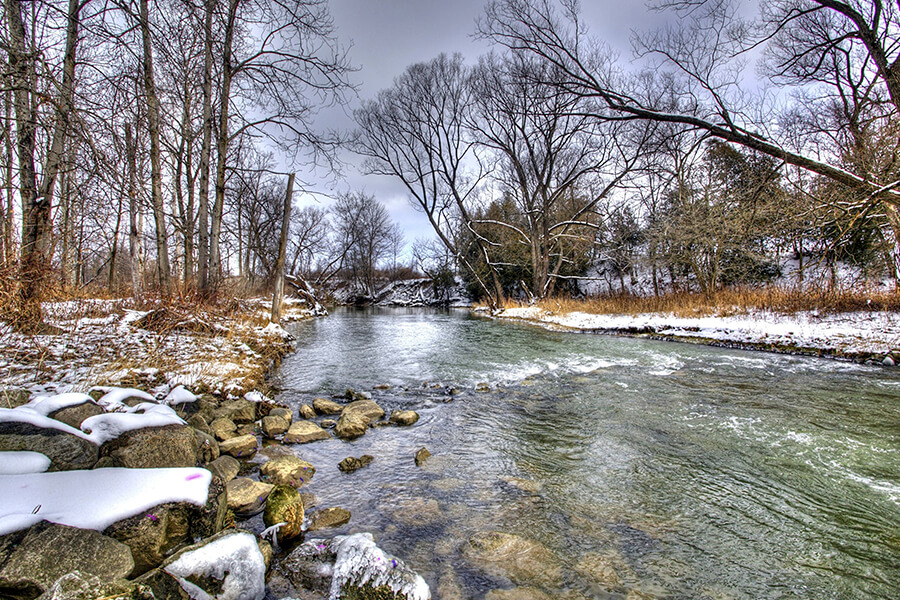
{"points": [[254, 396], [114, 397], [858, 333], [45, 405], [360, 561], [109, 426], [23, 414], [95, 499], [276, 329], [234, 559], [19, 462], [179, 395]]}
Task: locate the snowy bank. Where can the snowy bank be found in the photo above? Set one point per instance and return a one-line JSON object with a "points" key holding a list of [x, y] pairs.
{"points": [[109, 343], [857, 336]]}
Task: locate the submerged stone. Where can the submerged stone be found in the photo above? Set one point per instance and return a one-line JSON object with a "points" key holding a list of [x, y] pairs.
{"points": [[350, 464]]}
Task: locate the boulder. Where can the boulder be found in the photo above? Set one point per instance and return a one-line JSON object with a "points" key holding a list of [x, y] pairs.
{"points": [[154, 534], [351, 426], [50, 551], [223, 428], [284, 505], [303, 432], [353, 395], [352, 567], [239, 411], [209, 448], [328, 423], [324, 406], [153, 447], [245, 496], [350, 464], [240, 447], [364, 408], [79, 586], [227, 566], [404, 417], [66, 451], [287, 470], [284, 413], [274, 426], [308, 412], [225, 468], [247, 429], [422, 455], [329, 517], [74, 415], [524, 561]]}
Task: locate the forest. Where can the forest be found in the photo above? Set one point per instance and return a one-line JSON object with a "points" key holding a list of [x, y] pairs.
{"points": [[147, 145]]}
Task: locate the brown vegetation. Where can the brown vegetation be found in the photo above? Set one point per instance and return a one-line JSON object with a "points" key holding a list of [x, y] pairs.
{"points": [[727, 302]]}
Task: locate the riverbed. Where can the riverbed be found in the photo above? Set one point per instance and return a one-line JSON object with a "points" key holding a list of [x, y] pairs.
{"points": [[638, 468]]}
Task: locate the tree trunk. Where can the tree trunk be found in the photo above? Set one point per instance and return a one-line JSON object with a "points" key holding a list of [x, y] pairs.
{"points": [[205, 151], [282, 252], [162, 244], [215, 260], [135, 246], [35, 213]]}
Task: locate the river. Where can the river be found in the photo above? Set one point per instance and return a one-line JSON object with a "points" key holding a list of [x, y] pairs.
{"points": [[647, 469]]}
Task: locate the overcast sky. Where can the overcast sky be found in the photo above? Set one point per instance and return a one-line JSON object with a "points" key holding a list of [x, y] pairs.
{"points": [[389, 35]]}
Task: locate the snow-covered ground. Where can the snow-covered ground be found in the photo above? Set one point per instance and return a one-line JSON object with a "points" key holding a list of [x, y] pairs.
{"points": [[102, 342], [858, 335]]}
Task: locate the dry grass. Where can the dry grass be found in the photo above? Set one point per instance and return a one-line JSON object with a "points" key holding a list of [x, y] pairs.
{"points": [[727, 302]]}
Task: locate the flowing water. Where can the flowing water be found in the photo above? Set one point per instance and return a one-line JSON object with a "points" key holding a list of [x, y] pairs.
{"points": [[639, 469]]}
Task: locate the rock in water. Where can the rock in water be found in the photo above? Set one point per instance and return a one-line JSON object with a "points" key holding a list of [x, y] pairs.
{"points": [[351, 426], [324, 406], [352, 567], [307, 412], [274, 426], [329, 517], [350, 464], [404, 417], [304, 432], [284, 506], [364, 408], [421, 456], [49, 551], [524, 561], [287, 470], [228, 566]]}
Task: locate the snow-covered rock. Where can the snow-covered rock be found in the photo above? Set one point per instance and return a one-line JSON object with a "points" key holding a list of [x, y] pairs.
{"points": [[231, 566], [18, 463], [97, 498], [180, 395], [66, 447], [103, 428], [352, 562], [46, 404]]}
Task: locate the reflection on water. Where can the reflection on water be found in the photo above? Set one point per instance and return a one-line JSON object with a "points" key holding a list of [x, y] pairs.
{"points": [[628, 468]]}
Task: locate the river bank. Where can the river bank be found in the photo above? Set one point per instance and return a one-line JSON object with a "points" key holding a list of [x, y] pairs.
{"points": [[868, 337], [137, 448]]}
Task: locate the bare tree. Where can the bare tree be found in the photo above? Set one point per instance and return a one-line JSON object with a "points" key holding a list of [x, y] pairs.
{"points": [[706, 51], [417, 131]]}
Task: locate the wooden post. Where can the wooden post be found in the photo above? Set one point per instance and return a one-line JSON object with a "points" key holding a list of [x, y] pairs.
{"points": [[282, 252]]}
